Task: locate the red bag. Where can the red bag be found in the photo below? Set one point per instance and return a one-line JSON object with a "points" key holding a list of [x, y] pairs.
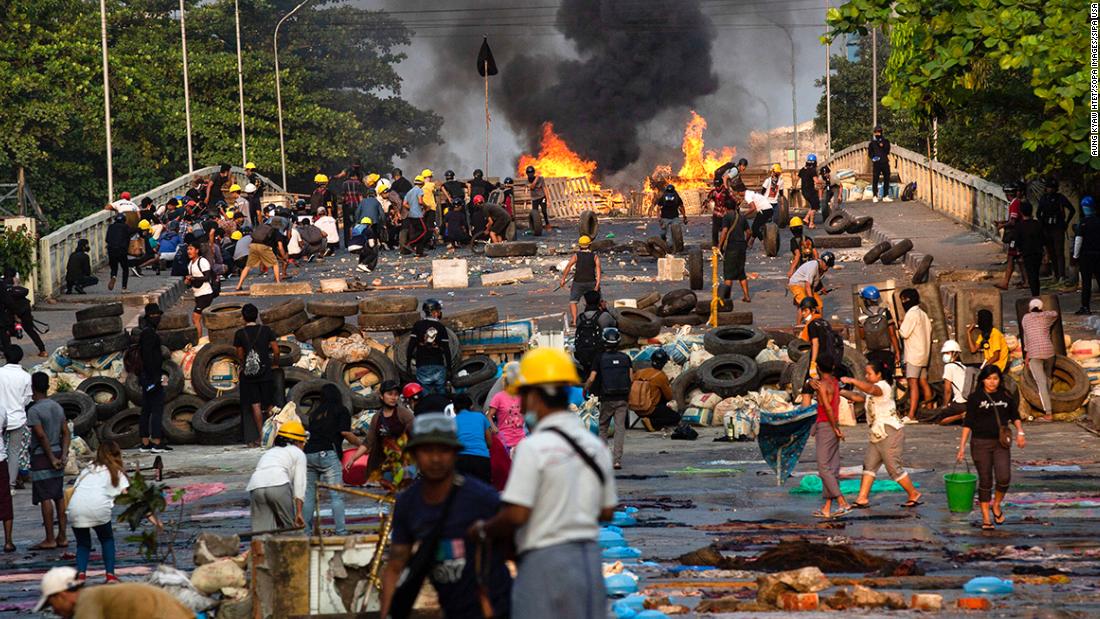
{"points": [[357, 476], [500, 463]]}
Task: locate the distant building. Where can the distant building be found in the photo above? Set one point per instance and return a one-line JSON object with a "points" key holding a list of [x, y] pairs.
{"points": [[777, 146]]}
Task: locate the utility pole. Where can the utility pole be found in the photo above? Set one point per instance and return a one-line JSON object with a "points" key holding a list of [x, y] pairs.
{"points": [[278, 92], [828, 94], [106, 99], [874, 77], [240, 80], [186, 91]]}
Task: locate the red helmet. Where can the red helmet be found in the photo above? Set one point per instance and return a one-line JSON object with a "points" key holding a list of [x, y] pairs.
{"points": [[412, 390], [478, 199]]}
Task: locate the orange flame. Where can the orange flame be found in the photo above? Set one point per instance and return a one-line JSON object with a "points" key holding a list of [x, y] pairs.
{"points": [[556, 159], [699, 165]]}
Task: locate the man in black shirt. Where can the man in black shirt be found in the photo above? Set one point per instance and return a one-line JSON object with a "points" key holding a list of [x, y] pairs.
{"points": [[586, 275], [734, 243], [1030, 242], [808, 176], [78, 271], [610, 380], [497, 220], [454, 192], [672, 210], [150, 381], [257, 352], [479, 186], [118, 242], [878, 151], [430, 348], [215, 187], [400, 184], [1052, 217], [1086, 252]]}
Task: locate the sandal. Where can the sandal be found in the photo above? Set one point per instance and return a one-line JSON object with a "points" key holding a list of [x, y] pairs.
{"points": [[912, 503], [858, 505], [841, 511], [998, 518], [988, 526]]}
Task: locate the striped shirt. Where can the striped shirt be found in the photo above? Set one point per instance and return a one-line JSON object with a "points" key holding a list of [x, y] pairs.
{"points": [[1036, 327]]}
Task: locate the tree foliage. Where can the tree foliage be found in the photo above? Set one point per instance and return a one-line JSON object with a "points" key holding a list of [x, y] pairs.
{"points": [[340, 93], [953, 55]]}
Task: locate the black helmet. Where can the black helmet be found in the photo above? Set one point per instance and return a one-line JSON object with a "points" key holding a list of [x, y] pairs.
{"points": [[670, 187], [478, 174], [389, 385], [809, 303], [611, 336], [449, 175], [658, 359], [431, 305], [508, 180], [530, 169], [828, 258], [877, 129], [743, 162]]}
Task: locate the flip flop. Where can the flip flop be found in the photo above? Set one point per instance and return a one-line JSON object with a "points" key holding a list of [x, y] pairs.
{"points": [[861, 506], [913, 503], [988, 527], [999, 518], [843, 511], [821, 514]]}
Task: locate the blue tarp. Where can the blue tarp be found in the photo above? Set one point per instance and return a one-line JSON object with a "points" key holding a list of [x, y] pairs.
{"points": [[782, 438]]}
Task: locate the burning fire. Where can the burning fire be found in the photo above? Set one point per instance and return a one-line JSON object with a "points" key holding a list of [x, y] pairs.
{"points": [[699, 165], [556, 159]]}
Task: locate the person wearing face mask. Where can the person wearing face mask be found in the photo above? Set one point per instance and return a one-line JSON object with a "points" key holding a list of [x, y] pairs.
{"points": [[806, 281], [958, 382], [802, 246], [672, 212], [537, 186], [916, 331], [878, 151], [1086, 252], [152, 388], [560, 488], [877, 328], [808, 177], [990, 340]]}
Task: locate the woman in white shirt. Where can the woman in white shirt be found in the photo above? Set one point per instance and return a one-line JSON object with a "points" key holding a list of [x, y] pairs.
{"points": [[886, 436], [327, 224], [277, 488], [198, 278]]}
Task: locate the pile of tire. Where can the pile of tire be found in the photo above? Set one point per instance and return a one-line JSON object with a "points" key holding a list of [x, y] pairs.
{"points": [[97, 331], [109, 408], [842, 222]]}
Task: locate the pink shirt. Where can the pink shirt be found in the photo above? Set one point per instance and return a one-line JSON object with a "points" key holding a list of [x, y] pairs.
{"points": [[1036, 328], [509, 420]]}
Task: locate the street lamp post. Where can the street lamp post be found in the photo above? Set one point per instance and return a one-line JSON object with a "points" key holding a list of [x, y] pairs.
{"points": [[186, 91], [278, 92], [106, 99], [240, 80], [828, 93]]}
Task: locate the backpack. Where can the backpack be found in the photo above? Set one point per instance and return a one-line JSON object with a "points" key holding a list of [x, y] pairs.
{"points": [[262, 233], [909, 192], [131, 360], [179, 264], [969, 382], [644, 397], [876, 330], [587, 336], [614, 375], [834, 344]]}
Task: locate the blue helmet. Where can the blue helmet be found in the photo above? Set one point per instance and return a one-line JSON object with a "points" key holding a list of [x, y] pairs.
{"points": [[1087, 204], [870, 293], [811, 157]]}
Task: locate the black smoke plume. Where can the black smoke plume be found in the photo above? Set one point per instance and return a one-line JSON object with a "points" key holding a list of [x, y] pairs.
{"points": [[637, 58]]}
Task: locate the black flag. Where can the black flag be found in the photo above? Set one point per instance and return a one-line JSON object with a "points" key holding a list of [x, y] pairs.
{"points": [[485, 61]]}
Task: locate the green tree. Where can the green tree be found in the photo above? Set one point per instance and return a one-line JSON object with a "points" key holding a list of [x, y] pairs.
{"points": [[956, 54]]}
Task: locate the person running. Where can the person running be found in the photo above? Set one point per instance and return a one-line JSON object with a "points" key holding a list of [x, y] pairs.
{"points": [[1055, 212], [475, 432], [434, 516], [118, 245], [916, 331], [151, 377], [277, 487], [808, 177], [734, 243], [719, 198], [430, 348], [560, 488], [199, 277], [1036, 326], [670, 210], [329, 427], [1014, 193], [89, 509], [365, 244], [266, 242], [257, 352], [955, 388], [7, 512], [536, 184], [650, 393], [877, 328], [588, 336], [763, 210], [1086, 253], [610, 380], [49, 451], [878, 151], [886, 436], [585, 266], [990, 410], [1029, 242], [990, 340], [504, 410], [827, 438], [67, 596]]}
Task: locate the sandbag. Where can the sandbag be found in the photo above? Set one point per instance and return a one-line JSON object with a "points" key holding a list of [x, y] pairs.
{"points": [[212, 577], [697, 416], [698, 399], [271, 425]]}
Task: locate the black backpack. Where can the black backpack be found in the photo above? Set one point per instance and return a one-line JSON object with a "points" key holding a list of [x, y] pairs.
{"points": [[587, 336], [909, 192], [262, 233], [833, 344], [614, 375]]}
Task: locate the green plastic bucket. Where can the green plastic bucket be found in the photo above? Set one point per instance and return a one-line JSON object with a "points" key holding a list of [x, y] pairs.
{"points": [[960, 490]]}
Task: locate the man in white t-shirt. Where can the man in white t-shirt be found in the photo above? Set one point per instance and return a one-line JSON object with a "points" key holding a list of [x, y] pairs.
{"points": [[15, 395], [124, 204], [955, 389], [764, 208], [560, 488], [916, 333]]}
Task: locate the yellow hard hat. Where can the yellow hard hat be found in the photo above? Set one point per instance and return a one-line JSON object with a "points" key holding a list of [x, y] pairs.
{"points": [[545, 366], [320, 178], [777, 168], [236, 236], [250, 166], [795, 222], [419, 179], [426, 173], [366, 220], [584, 241], [372, 178], [144, 224], [293, 430], [383, 185], [229, 214], [234, 187]]}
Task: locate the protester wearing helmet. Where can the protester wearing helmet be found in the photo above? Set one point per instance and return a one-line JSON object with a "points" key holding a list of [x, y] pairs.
{"points": [[507, 196], [774, 187], [878, 151], [560, 487], [256, 195], [365, 243], [806, 281], [416, 226], [802, 246], [586, 269], [323, 197], [670, 210], [1053, 217], [431, 209], [277, 487], [387, 427], [478, 186], [958, 382], [610, 381], [456, 222], [810, 193], [454, 192], [371, 207], [1086, 252], [536, 185], [877, 328], [429, 348], [651, 392]]}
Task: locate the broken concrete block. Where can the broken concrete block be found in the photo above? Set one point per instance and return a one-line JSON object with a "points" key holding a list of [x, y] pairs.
{"points": [[804, 580], [236, 609], [271, 289], [631, 303], [859, 596], [926, 601], [212, 577], [974, 603], [210, 547], [794, 601], [510, 276], [333, 285], [670, 269], [451, 273]]}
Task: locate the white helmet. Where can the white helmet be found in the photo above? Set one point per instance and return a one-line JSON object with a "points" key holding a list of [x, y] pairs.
{"points": [[382, 186], [950, 346], [250, 188]]}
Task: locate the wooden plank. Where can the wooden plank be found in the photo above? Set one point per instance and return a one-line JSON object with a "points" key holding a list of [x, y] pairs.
{"points": [[271, 289]]}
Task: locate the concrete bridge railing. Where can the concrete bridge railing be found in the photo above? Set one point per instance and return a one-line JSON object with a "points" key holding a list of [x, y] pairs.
{"points": [[54, 248], [964, 197]]}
